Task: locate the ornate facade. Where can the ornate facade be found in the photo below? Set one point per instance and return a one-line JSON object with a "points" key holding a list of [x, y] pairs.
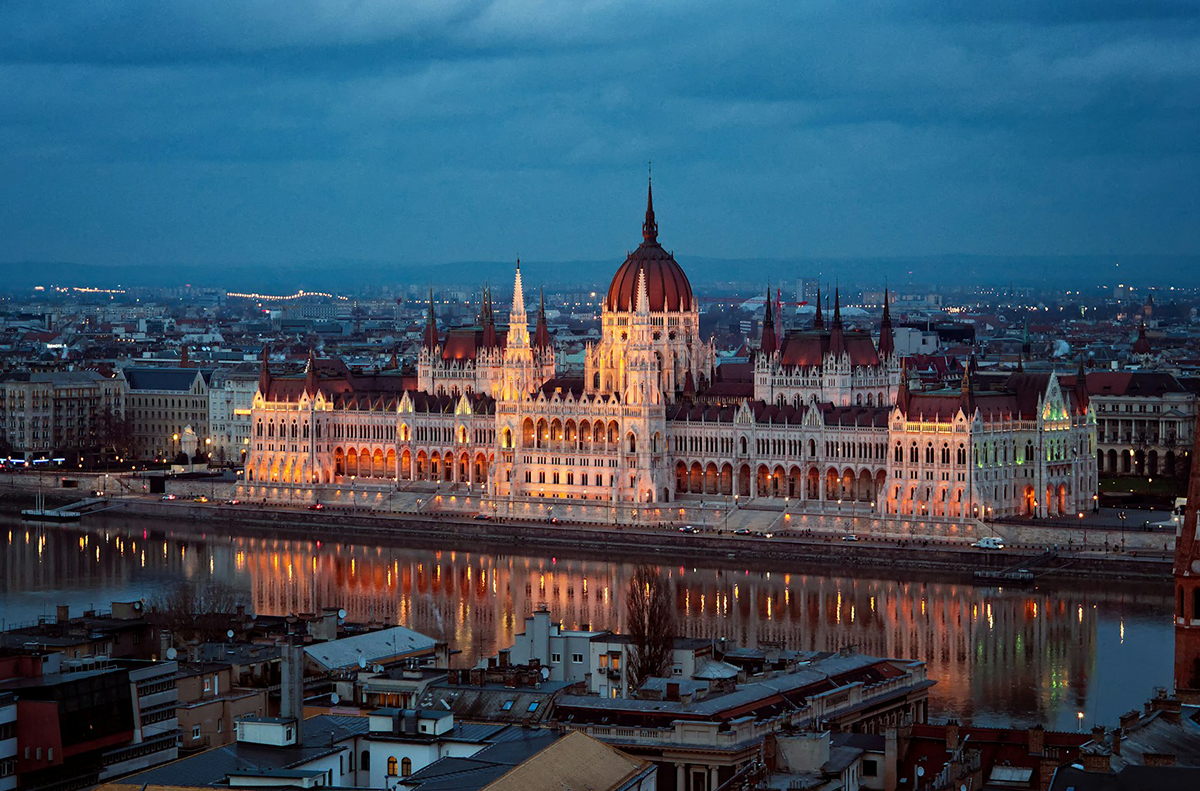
{"points": [[823, 418]]}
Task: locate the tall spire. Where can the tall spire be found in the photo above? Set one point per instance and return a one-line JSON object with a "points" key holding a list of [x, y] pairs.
{"points": [[769, 341], [489, 320], [541, 336], [264, 373], [902, 391], [837, 340], [819, 318], [641, 304], [887, 340], [518, 321], [967, 398], [1142, 344], [431, 330], [1081, 391], [650, 227]]}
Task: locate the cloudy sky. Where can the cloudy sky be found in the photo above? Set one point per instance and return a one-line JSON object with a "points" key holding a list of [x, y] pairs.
{"points": [[441, 130]]}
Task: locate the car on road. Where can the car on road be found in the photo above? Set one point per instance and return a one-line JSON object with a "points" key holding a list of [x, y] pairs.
{"points": [[169, 497], [688, 529], [989, 542], [233, 502], [482, 517], [849, 537], [317, 507], [767, 534], [199, 499], [743, 531]]}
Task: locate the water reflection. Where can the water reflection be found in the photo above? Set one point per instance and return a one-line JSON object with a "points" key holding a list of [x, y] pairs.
{"points": [[999, 655]]}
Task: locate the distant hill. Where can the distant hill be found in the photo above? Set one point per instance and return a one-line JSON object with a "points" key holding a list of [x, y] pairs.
{"points": [[351, 274]]}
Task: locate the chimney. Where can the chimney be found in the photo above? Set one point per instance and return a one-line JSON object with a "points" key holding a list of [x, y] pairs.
{"points": [[951, 735], [291, 694], [1116, 741], [1037, 740], [1098, 734], [1158, 759], [63, 613], [672, 690], [1129, 718], [1171, 708], [503, 657], [1095, 758]]}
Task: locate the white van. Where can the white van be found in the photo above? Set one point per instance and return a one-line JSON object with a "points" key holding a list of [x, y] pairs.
{"points": [[989, 542]]}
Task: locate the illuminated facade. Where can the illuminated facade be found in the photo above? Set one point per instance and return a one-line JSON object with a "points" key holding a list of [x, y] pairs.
{"points": [[825, 419]]}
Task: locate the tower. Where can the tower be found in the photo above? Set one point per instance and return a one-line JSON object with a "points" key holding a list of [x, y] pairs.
{"points": [[1187, 588], [769, 341], [887, 339]]}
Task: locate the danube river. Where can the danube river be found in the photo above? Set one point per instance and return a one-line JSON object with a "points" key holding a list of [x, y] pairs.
{"points": [[999, 655]]}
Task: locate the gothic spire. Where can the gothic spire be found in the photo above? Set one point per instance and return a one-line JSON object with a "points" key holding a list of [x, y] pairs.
{"points": [[541, 336], [769, 341], [1081, 391], [1187, 583], [902, 391], [887, 340], [819, 318], [431, 330], [489, 320], [650, 227], [518, 321], [837, 340]]}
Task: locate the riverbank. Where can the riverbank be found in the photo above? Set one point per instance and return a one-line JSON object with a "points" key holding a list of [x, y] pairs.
{"points": [[785, 549]]}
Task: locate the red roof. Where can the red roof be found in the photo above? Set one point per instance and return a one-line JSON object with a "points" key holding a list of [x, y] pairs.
{"points": [[807, 349], [667, 286]]}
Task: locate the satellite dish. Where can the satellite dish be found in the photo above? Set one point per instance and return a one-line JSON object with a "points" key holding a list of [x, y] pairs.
{"points": [[342, 613], [333, 698], [377, 668], [229, 634], [362, 662], [545, 674], [172, 653], [920, 771]]}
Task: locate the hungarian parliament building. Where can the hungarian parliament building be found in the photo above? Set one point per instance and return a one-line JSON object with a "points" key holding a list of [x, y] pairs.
{"points": [[827, 417]]}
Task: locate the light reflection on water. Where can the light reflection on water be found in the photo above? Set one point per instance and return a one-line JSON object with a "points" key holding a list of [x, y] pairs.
{"points": [[999, 655]]}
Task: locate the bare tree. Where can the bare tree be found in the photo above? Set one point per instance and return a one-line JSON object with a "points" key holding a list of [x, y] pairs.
{"points": [[192, 611], [650, 620]]}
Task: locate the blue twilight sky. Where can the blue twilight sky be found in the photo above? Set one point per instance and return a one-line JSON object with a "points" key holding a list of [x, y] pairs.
{"points": [[440, 130]]}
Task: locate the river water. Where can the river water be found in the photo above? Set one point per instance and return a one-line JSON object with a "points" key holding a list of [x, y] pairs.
{"points": [[999, 655]]}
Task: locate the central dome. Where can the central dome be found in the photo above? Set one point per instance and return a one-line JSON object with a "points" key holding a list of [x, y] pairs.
{"points": [[666, 284]]}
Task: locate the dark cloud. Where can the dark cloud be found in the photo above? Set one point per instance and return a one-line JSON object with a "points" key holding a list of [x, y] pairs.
{"points": [[442, 130]]}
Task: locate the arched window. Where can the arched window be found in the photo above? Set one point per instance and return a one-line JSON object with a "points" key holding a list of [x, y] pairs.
{"points": [[929, 453], [899, 453], [392, 766], [365, 761], [406, 767], [962, 454], [945, 454], [914, 455]]}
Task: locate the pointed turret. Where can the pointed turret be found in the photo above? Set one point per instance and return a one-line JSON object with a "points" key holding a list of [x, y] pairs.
{"points": [[431, 331], [1081, 391], [902, 391], [541, 336], [489, 320], [518, 321], [649, 226], [393, 363], [967, 400], [310, 375], [641, 305], [1187, 587], [1142, 344], [887, 339], [837, 339], [819, 317], [769, 342], [264, 373]]}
